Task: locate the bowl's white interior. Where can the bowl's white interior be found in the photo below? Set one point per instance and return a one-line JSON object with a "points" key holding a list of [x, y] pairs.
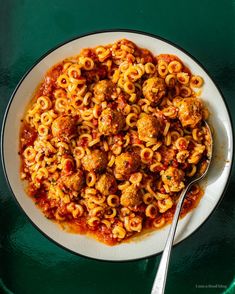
{"points": [[153, 243]]}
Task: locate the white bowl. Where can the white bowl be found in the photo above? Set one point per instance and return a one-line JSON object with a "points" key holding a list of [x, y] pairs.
{"points": [[215, 182]]}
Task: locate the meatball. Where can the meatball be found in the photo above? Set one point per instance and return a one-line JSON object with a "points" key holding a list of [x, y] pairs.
{"points": [[64, 127], [148, 127], [131, 196], [154, 89], [104, 89], [74, 182], [106, 184], [173, 178], [126, 163], [96, 160], [110, 122], [190, 111]]}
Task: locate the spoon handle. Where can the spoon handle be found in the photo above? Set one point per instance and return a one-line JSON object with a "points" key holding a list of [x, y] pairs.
{"points": [[160, 279]]}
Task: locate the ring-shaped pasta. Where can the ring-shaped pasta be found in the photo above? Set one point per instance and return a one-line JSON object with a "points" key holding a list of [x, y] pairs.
{"points": [[146, 155], [123, 66], [78, 211], [149, 68], [93, 221], [185, 92], [170, 80], [148, 198], [151, 211], [196, 82], [164, 204], [110, 213], [106, 223], [127, 48], [61, 104], [96, 212], [193, 171], [181, 143], [131, 119], [43, 130], [98, 199], [46, 119], [183, 78], [162, 68], [129, 87], [63, 81], [59, 93], [91, 179], [174, 66], [159, 222], [113, 200], [74, 71], [87, 63], [136, 224], [44, 102], [181, 156], [103, 53], [166, 129], [42, 173], [79, 152], [29, 153], [119, 232]]}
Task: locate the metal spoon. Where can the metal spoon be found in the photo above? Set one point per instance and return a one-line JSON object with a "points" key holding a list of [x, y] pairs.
{"points": [[160, 279]]}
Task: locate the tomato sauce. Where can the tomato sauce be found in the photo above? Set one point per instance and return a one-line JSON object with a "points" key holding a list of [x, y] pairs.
{"points": [[57, 209]]}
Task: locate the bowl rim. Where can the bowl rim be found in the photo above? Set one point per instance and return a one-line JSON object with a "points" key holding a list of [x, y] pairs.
{"points": [[96, 32]]}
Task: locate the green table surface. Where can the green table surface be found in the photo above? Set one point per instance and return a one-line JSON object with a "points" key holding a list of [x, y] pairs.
{"points": [[29, 262]]}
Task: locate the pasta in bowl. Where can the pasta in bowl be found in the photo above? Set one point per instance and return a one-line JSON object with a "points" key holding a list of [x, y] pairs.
{"points": [[110, 138]]}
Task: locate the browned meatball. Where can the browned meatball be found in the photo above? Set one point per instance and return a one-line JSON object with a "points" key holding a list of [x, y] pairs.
{"points": [[74, 182], [126, 163], [190, 111], [104, 89], [173, 178], [148, 127], [106, 184], [64, 127], [154, 89], [96, 160], [131, 196], [111, 122]]}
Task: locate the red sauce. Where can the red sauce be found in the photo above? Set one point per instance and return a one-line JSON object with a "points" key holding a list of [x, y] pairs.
{"points": [[89, 52], [54, 208], [49, 83], [69, 167], [28, 136], [121, 102], [168, 57]]}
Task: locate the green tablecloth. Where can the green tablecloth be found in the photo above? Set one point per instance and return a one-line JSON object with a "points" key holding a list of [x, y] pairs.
{"points": [[30, 263]]}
